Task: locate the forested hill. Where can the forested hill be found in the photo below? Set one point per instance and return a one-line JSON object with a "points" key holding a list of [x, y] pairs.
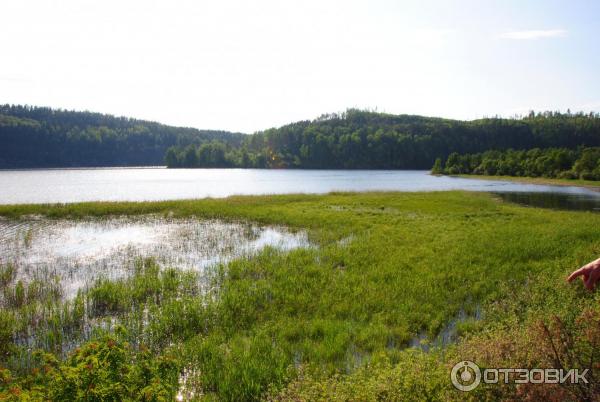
{"points": [[359, 139], [43, 137], [355, 139]]}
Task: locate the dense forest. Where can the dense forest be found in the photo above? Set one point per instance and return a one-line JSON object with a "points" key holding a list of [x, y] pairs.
{"points": [[44, 137], [359, 139], [581, 163], [354, 139]]}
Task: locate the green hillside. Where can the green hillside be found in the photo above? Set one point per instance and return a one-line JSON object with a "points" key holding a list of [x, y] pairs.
{"points": [[42, 137], [359, 139]]}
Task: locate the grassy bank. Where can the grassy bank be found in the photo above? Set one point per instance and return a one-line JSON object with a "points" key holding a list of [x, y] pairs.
{"points": [[592, 184], [334, 321]]}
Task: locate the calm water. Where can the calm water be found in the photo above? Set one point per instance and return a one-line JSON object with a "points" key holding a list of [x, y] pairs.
{"points": [[150, 184], [76, 253]]}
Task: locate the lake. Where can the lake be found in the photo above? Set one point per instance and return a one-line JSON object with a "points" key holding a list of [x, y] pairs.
{"points": [[153, 184]]}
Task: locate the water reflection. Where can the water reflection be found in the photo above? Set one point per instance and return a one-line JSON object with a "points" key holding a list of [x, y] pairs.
{"points": [[76, 253], [142, 184], [563, 201]]}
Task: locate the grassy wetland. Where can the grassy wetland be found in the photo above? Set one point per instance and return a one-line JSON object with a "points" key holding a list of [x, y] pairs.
{"points": [[380, 295]]}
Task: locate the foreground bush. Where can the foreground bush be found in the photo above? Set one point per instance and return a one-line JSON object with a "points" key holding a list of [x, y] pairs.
{"points": [[104, 370]]}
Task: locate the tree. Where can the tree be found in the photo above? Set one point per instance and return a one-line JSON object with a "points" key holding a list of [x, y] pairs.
{"points": [[437, 167], [564, 163], [44, 137], [365, 140], [189, 157], [171, 158]]}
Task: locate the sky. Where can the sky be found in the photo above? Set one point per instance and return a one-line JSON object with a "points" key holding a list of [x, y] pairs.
{"points": [[250, 65]]}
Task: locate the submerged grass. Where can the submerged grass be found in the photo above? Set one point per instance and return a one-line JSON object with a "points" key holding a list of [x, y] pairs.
{"points": [[333, 321]]}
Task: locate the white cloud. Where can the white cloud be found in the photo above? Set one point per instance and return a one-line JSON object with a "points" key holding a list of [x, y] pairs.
{"points": [[534, 34]]}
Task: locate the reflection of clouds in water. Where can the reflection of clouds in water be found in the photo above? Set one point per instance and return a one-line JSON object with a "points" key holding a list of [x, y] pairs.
{"points": [[90, 241], [78, 252], [276, 238]]}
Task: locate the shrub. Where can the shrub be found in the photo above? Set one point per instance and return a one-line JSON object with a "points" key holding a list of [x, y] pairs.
{"points": [[103, 370]]}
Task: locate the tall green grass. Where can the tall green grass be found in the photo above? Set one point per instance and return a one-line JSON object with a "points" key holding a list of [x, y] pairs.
{"points": [[387, 267]]}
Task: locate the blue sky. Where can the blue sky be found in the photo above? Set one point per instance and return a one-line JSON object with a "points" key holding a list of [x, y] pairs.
{"points": [[246, 66]]}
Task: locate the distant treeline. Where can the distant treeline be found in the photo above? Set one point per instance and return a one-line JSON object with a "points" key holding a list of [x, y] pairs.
{"points": [[359, 139], [43, 137], [215, 154], [581, 163], [355, 139]]}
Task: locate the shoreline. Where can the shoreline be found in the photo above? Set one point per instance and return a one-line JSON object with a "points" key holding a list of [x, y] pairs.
{"points": [[589, 184]]}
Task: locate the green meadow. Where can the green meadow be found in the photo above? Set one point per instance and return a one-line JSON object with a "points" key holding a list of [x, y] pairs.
{"points": [[395, 289]]}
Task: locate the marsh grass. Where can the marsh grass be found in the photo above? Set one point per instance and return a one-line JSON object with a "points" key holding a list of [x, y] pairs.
{"points": [[79, 252], [336, 320]]}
